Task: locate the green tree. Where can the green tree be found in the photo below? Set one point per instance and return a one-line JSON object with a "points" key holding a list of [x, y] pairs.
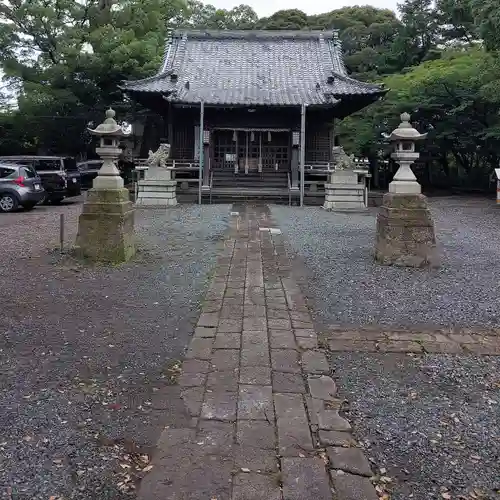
{"points": [[456, 21], [418, 38], [449, 98], [292, 19], [487, 16], [205, 16], [68, 57]]}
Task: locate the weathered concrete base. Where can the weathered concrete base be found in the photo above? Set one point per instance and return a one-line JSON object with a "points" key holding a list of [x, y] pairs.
{"points": [[405, 232], [106, 226], [158, 189], [344, 192]]}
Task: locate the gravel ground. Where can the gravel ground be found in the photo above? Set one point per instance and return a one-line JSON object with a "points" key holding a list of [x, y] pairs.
{"points": [[86, 353], [431, 421], [346, 286]]}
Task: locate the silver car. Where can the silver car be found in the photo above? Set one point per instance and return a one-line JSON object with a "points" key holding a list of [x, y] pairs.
{"points": [[19, 186]]}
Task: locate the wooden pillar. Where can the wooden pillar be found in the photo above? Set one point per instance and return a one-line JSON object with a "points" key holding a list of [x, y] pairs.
{"points": [[237, 155], [374, 170], [170, 125], [331, 140], [302, 151], [200, 168]]}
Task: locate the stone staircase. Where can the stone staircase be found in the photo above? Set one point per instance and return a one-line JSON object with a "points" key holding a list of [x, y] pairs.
{"points": [[268, 185]]}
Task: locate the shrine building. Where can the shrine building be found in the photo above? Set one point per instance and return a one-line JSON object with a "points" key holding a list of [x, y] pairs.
{"points": [[251, 113]]}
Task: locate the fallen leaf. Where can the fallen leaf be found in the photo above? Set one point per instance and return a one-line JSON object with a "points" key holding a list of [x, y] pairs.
{"points": [[148, 468], [446, 495], [245, 469]]}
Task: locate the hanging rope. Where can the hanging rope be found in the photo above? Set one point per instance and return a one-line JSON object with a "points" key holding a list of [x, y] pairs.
{"points": [[246, 156], [260, 153]]}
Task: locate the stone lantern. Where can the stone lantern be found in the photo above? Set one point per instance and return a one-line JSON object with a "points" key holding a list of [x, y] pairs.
{"points": [[404, 138], [106, 225], [405, 230]]}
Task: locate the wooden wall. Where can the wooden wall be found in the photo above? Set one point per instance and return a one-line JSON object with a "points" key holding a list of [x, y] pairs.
{"points": [[182, 122]]}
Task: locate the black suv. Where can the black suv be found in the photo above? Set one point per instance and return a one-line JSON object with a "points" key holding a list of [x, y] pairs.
{"points": [[60, 175]]}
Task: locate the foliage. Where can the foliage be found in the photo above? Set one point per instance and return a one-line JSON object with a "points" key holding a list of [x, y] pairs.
{"points": [[487, 15], [199, 15], [69, 57], [448, 98]]}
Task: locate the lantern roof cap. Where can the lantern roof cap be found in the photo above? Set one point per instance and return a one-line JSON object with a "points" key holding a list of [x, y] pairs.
{"points": [[108, 126], [405, 131]]}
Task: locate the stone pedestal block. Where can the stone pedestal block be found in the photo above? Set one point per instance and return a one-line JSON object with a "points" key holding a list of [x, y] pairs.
{"points": [[158, 189], [106, 226], [405, 232], [344, 192]]}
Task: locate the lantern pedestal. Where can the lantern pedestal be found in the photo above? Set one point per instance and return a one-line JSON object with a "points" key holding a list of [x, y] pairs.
{"points": [[106, 226], [405, 232]]}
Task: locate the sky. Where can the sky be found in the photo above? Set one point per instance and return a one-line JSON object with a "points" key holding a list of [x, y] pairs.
{"points": [[265, 8]]}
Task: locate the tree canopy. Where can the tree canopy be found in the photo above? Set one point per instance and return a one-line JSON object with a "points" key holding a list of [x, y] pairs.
{"points": [[66, 58]]}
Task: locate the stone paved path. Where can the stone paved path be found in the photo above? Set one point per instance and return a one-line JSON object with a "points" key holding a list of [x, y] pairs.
{"points": [[262, 421], [465, 341]]}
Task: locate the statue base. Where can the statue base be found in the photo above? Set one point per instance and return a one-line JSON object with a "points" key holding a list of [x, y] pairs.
{"points": [[343, 192], [158, 189], [106, 226], [405, 232]]}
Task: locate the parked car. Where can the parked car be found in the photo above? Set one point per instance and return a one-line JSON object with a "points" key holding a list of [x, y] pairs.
{"points": [[88, 171], [90, 168], [19, 186], [59, 174]]}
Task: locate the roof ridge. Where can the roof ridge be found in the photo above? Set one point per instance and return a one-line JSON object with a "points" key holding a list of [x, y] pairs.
{"points": [[324, 59], [180, 52], [252, 34], [347, 78], [169, 52], [337, 55]]}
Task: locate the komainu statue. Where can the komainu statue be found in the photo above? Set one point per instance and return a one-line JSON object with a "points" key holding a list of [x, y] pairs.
{"points": [[342, 160], [160, 156]]}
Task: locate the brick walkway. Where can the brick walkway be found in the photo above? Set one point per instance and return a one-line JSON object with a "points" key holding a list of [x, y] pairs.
{"points": [[447, 341], [264, 421]]}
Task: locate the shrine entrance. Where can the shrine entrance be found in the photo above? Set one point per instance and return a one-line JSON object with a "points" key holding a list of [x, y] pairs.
{"points": [[251, 150]]}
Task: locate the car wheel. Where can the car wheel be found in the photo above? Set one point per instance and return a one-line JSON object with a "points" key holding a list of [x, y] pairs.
{"points": [[8, 203]]}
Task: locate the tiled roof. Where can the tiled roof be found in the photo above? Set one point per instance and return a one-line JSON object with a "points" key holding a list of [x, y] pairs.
{"points": [[253, 68]]}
